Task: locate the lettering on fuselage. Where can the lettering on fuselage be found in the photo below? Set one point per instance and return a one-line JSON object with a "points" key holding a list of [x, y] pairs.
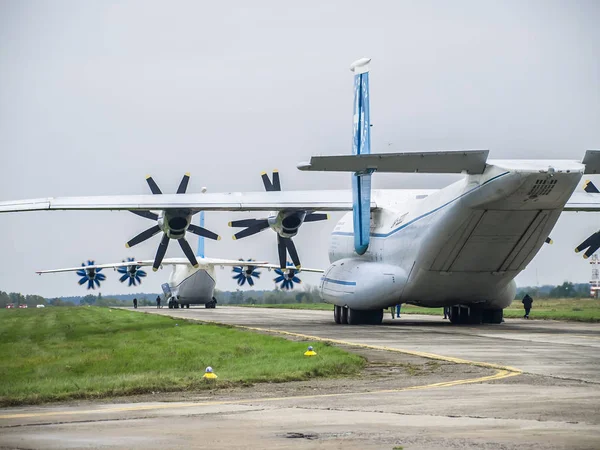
{"points": [[399, 220]]}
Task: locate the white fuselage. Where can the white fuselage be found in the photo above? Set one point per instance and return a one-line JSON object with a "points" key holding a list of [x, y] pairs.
{"points": [[192, 286], [462, 244]]}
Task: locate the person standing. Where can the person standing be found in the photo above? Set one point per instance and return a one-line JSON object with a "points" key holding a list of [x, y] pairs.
{"points": [[135, 303], [527, 302], [157, 301], [446, 312], [398, 310]]}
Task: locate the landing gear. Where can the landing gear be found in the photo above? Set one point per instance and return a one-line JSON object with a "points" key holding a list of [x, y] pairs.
{"points": [[337, 314], [474, 315], [211, 304], [343, 315], [187, 306]]}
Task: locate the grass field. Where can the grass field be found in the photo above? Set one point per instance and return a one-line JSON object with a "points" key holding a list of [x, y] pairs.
{"points": [[580, 310], [85, 352]]}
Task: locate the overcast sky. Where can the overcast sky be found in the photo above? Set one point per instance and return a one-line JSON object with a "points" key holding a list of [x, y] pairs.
{"points": [[95, 95]]}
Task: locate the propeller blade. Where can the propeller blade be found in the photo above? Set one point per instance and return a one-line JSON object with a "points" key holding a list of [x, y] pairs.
{"points": [[590, 251], [144, 235], [590, 188], [250, 281], [281, 252], [275, 185], [315, 217], [237, 269], [131, 282], [140, 273], [91, 284], [203, 232], [279, 279], [184, 184], [245, 223], [291, 248], [185, 246], [262, 225], [146, 214], [153, 186], [123, 278], [160, 253], [589, 241], [83, 280]]}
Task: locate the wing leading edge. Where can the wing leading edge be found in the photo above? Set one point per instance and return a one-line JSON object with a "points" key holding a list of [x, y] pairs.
{"points": [[329, 200]]}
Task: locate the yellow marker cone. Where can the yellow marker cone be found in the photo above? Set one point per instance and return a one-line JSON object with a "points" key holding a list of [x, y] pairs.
{"points": [[310, 352], [209, 374]]}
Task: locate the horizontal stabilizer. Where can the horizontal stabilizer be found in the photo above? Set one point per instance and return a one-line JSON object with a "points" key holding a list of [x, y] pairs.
{"points": [[468, 161], [592, 162]]}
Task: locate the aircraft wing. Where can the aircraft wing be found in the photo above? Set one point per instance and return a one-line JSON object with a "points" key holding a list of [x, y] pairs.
{"points": [[330, 200], [583, 201], [202, 262]]}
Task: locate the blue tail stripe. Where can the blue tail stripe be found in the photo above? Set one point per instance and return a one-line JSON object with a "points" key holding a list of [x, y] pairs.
{"points": [[200, 251], [361, 183]]}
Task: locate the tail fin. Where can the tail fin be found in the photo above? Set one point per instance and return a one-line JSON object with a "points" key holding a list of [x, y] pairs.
{"points": [[200, 251], [361, 145]]}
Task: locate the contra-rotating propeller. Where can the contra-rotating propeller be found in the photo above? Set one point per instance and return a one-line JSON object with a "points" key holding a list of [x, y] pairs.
{"points": [[92, 277], [287, 277], [592, 244], [285, 223], [245, 273], [131, 273], [173, 223]]}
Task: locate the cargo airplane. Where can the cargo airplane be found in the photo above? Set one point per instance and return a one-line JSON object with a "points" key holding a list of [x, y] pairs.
{"points": [[460, 246]]}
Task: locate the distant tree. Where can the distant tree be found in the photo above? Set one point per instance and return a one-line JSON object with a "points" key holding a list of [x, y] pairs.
{"points": [[88, 300]]}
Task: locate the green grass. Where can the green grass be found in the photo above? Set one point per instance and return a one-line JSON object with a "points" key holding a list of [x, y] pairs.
{"points": [[580, 310], [85, 352]]}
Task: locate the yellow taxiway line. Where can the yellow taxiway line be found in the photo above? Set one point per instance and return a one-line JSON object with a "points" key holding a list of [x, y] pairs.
{"points": [[502, 372]]}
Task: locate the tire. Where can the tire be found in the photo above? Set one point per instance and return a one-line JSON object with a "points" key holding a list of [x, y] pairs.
{"points": [[187, 306], [493, 316], [454, 314], [355, 317], [337, 314], [374, 317], [344, 316], [475, 315]]}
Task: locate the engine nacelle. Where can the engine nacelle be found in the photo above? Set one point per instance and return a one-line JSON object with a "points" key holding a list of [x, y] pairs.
{"points": [[175, 222], [287, 223], [362, 285]]}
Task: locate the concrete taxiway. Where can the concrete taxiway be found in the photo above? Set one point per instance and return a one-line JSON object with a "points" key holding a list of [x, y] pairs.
{"points": [[522, 384]]}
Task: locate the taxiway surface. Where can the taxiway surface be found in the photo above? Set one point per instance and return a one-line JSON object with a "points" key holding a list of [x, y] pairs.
{"points": [[544, 394]]}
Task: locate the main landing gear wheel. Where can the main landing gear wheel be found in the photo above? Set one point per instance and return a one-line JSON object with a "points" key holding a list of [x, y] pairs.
{"points": [[337, 314], [187, 306], [369, 317], [344, 316]]}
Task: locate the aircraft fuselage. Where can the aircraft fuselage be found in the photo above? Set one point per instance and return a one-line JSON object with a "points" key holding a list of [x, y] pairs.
{"points": [[462, 244]]}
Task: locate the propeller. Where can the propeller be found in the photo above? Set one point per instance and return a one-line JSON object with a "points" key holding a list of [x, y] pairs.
{"points": [[174, 223], [592, 244], [245, 273], [285, 223], [131, 273], [92, 277], [590, 187], [287, 277]]}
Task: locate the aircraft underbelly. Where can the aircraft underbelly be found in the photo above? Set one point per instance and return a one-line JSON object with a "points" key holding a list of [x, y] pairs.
{"points": [[198, 288]]}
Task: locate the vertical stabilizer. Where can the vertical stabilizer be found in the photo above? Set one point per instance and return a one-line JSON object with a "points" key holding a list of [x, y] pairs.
{"points": [[200, 252], [361, 145]]}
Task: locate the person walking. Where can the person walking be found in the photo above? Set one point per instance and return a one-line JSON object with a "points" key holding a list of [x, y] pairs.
{"points": [[157, 301], [135, 303], [527, 302]]}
